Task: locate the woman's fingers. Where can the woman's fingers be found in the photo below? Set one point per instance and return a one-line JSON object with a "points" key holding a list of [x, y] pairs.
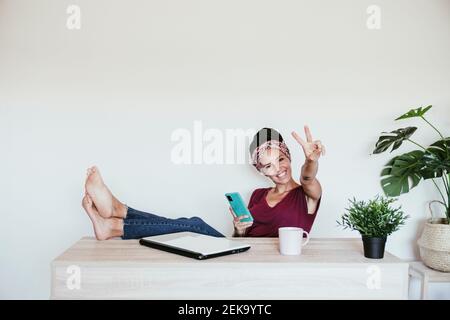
{"points": [[298, 138], [319, 147], [243, 225], [240, 218], [323, 149], [238, 223], [308, 134]]}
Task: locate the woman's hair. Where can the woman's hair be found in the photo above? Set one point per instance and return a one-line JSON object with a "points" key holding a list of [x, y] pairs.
{"points": [[264, 135], [264, 139]]}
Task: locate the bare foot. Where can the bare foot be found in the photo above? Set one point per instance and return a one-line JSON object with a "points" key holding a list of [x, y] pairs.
{"points": [[107, 205], [103, 228]]}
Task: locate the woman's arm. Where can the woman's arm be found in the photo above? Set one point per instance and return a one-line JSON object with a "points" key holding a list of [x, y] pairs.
{"points": [[311, 186], [308, 180]]}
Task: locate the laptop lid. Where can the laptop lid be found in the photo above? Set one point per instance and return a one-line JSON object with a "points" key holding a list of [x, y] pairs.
{"points": [[194, 245]]}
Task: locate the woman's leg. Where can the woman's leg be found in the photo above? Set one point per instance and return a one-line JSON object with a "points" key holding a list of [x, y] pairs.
{"points": [[138, 224], [111, 218]]}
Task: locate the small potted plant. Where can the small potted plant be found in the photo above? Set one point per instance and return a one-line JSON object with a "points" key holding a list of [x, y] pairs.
{"points": [[375, 220]]}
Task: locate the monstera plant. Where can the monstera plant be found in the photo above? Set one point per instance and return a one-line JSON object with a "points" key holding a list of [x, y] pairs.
{"points": [[405, 171]]}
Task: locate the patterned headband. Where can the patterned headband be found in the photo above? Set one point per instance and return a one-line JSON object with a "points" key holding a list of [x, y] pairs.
{"points": [[271, 144]]}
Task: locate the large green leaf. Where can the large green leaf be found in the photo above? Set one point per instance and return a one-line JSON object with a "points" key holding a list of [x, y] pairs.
{"points": [[441, 148], [402, 173], [419, 112], [437, 159], [394, 138]]}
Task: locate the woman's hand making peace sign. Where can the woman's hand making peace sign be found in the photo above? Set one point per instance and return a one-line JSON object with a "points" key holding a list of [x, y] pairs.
{"points": [[313, 149]]}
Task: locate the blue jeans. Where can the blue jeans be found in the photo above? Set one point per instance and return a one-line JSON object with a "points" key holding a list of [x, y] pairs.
{"points": [[138, 224]]}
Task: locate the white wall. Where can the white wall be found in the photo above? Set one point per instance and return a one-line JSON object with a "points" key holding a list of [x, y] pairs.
{"points": [[112, 93]]}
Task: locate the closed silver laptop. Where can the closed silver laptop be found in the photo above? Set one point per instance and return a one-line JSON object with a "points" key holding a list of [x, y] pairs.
{"points": [[194, 245]]}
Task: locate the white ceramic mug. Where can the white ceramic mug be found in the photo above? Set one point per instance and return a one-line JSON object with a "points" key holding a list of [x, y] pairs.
{"points": [[291, 240]]}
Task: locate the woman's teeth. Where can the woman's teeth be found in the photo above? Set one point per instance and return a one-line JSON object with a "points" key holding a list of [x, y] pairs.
{"points": [[281, 175]]}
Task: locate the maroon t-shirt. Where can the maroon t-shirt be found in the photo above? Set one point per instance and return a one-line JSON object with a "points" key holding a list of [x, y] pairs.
{"points": [[291, 211]]}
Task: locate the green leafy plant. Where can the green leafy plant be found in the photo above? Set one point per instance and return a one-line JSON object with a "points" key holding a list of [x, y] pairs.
{"points": [[404, 172], [374, 218]]}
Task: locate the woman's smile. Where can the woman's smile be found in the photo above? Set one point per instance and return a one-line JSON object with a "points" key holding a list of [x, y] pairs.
{"points": [[281, 175]]}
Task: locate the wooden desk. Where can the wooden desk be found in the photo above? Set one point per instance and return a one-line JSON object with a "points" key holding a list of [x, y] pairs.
{"points": [[426, 275], [327, 269]]}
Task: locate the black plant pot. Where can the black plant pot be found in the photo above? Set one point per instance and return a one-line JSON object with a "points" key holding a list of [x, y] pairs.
{"points": [[374, 247]]}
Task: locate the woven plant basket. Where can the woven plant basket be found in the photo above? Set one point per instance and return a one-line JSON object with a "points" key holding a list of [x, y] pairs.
{"points": [[434, 244]]}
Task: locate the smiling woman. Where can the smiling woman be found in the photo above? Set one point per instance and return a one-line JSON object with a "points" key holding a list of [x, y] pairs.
{"points": [[287, 204]]}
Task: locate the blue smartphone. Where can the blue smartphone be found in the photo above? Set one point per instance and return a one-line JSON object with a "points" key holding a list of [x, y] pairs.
{"points": [[238, 206]]}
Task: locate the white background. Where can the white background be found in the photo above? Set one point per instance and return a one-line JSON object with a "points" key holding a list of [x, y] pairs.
{"points": [[112, 93]]}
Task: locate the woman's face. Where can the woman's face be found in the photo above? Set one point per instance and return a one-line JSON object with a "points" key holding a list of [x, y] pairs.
{"points": [[276, 166]]}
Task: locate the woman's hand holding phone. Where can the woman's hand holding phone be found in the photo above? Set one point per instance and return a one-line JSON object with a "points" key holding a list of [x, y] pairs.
{"points": [[239, 226]]}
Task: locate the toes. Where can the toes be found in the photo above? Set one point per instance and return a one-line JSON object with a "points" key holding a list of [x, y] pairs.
{"points": [[84, 202], [87, 201]]}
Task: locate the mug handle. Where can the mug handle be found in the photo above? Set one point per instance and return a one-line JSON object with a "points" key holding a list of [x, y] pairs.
{"points": [[304, 243]]}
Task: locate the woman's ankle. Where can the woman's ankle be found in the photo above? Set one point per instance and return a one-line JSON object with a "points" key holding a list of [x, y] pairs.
{"points": [[116, 227], [120, 209]]}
